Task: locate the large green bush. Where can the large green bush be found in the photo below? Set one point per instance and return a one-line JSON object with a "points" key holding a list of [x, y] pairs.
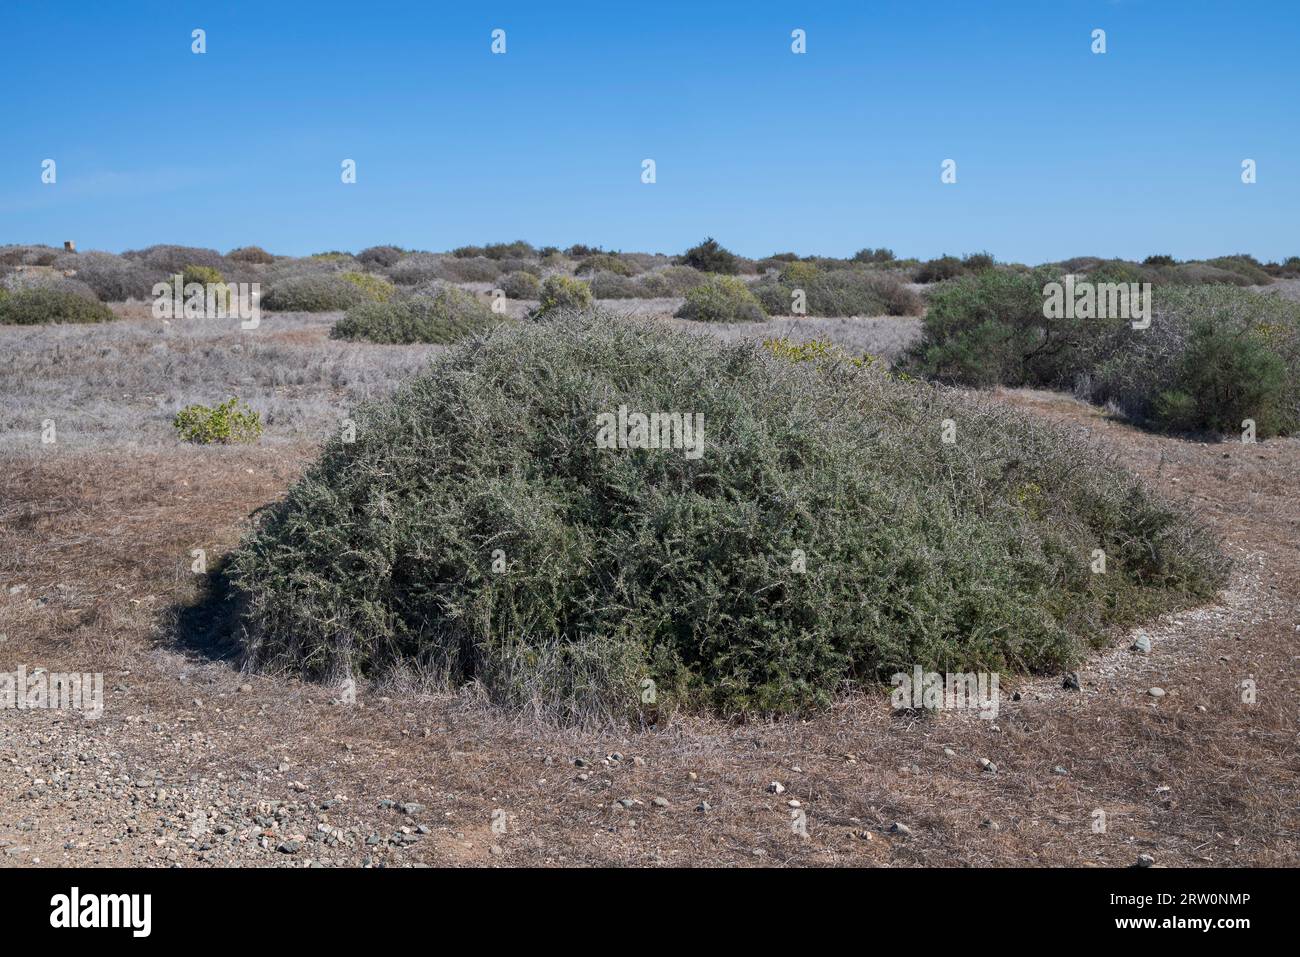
{"points": [[447, 315], [709, 256], [38, 305], [827, 536], [721, 299]]}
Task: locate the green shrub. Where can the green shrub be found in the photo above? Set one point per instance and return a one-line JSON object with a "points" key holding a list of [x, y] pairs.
{"points": [[561, 292], [721, 299], [203, 275], [325, 292], [447, 316], [382, 256], [251, 254], [376, 288], [708, 256], [521, 285], [840, 292], [669, 281], [231, 421], [1159, 260], [881, 255], [804, 552], [937, 270], [1211, 357], [606, 262], [515, 250], [38, 305]]}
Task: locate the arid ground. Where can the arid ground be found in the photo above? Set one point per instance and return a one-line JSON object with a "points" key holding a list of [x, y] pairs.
{"points": [[194, 763]]}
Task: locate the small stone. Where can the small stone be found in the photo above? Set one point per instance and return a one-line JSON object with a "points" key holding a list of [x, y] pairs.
{"points": [[660, 802], [949, 752], [1071, 681], [776, 787], [988, 765], [245, 688], [496, 850], [1156, 692], [990, 825], [793, 802], [898, 827], [410, 808], [1145, 860], [289, 847], [628, 803], [579, 763], [1141, 644], [704, 806], [1059, 770]]}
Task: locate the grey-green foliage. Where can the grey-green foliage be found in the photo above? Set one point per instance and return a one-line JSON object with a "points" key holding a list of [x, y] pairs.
{"points": [[444, 315], [627, 564]]}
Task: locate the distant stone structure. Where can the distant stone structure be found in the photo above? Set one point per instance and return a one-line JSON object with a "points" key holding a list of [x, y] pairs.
{"points": [[69, 246]]}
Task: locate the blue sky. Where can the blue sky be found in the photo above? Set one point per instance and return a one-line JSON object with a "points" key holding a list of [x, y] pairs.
{"points": [[1059, 151]]}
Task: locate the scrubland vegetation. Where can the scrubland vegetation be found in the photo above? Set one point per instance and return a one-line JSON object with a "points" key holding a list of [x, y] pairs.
{"points": [[829, 523]]}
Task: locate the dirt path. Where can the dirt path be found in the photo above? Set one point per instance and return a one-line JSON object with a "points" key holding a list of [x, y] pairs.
{"points": [[193, 763]]}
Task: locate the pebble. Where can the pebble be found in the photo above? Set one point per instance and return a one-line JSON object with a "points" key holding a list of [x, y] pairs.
{"points": [[1156, 692], [776, 787], [898, 827], [1142, 644]]}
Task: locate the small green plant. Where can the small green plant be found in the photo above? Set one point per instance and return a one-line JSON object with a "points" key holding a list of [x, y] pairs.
{"points": [[376, 288], [563, 292], [231, 421]]}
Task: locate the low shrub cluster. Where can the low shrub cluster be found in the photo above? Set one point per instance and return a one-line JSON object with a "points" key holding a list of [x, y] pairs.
{"points": [[826, 537], [839, 292], [521, 285], [375, 287], [45, 304], [444, 316], [1212, 356], [709, 256], [325, 292]]}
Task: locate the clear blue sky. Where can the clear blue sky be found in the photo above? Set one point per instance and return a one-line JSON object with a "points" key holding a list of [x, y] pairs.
{"points": [[1060, 152]]}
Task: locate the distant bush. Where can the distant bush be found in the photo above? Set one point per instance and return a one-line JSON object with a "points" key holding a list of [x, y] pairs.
{"points": [[385, 256], [708, 256], [251, 254], [172, 260], [447, 316], [375, 287], [721, 299], [628, 564], [561, 293], [881, 255], [318, 293], [608, 285], [606, 262], [113, 278], [203, 275], [480, 269], [1212, 356], [1159, 260], [516, 250], [668, 282], [35, 306], [521, 285], [840, 292], [231, 421], [937, 270], [28, 255]]}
